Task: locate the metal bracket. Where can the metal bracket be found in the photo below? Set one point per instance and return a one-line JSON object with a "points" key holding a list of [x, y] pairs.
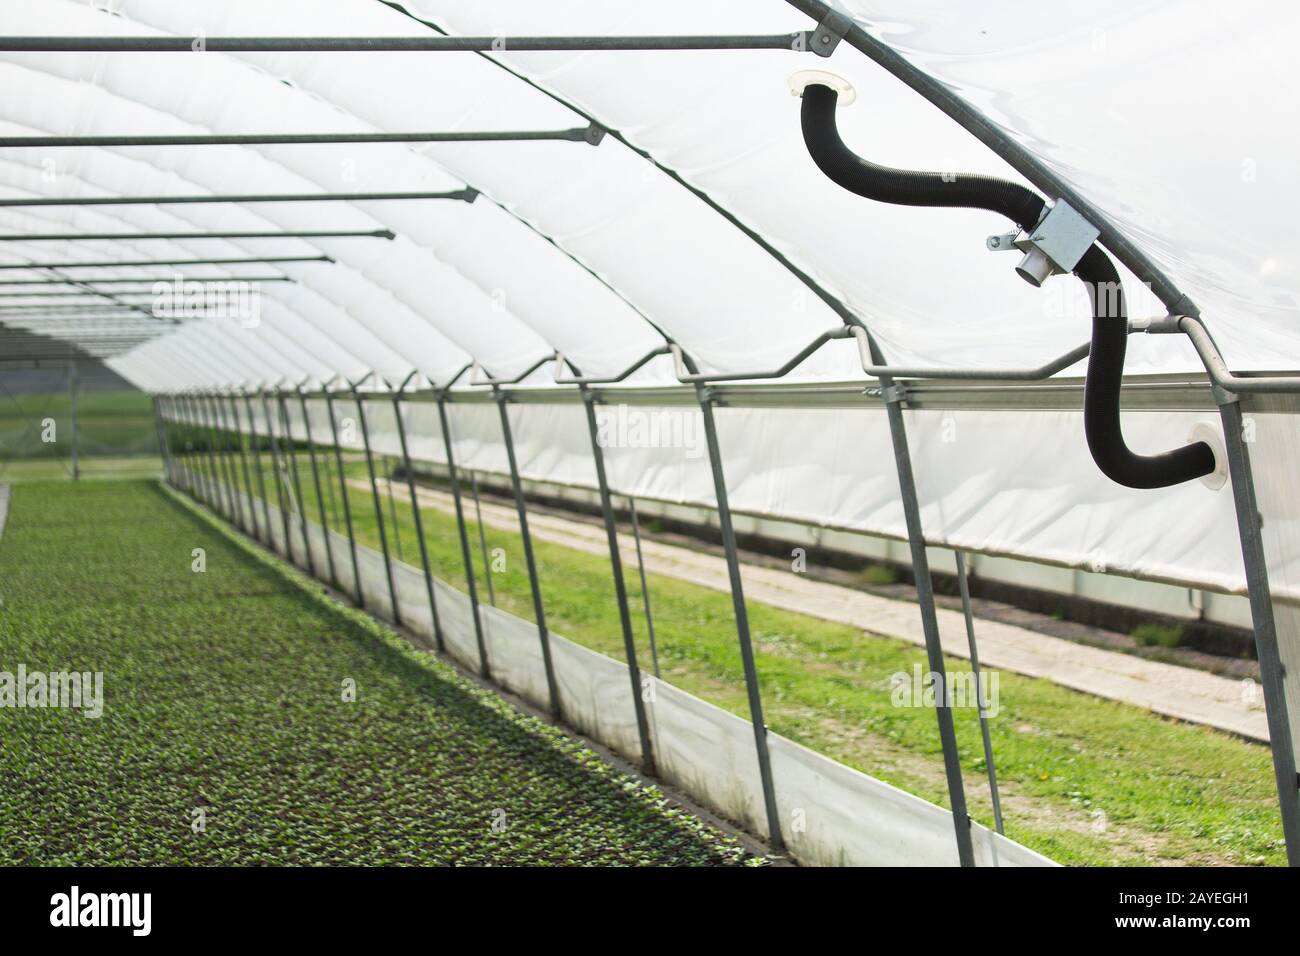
{"points": [[1054, 246], [830, 32], [594, 134], [894, 394]]}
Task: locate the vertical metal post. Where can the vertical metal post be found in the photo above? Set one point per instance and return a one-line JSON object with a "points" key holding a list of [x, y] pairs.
{"points": [[225, 502], [219, 403], [197, 458], [255, 444], [482, 539], [201, 421], [645, 589], [419, 521], [297, 482], [193, 478], [73, 387], [343, 490], [281, 496], [243, 465], [620, 587], [315, 479], [539, 612], [894, 396], [379, 509], [963, 585], [1271, 671], [160, 428], [705, 396], [392, 510], [485, 668]]}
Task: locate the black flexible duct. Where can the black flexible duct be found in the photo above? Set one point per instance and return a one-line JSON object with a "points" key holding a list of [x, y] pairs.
{"points": [[1101, 405]]}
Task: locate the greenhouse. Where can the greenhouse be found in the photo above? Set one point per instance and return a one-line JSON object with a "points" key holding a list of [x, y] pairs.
{"points": [[579, 350]]}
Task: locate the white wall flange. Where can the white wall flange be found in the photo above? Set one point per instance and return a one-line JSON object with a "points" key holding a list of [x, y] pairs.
{"points": [[1210, 434], [805, 78]]}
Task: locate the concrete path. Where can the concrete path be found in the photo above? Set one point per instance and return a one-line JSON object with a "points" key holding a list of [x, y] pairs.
{"points": [[1180, 692]]}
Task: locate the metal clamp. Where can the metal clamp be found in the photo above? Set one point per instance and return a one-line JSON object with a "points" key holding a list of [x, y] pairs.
{"points": [[830, 31]]}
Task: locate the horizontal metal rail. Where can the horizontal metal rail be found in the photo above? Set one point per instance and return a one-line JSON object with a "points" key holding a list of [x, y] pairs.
{"points": [[463, 195], [797, 42], [1212, 358], [129, 236], [476, 378], [992, 374], [562, 379], [684, 374], [135, 280], [581, 134], [133, 263]]}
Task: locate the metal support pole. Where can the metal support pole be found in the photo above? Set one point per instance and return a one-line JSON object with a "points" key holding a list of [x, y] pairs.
{"points": [[419, 522], [379, 509], [539, 612], [236, 493], [161, 429], [1271, 671], [281, 494], [225, 500], [894, 397], [214, 486], [343, 490], [963, 585], [705, 396], [297, 482], [243, 465], [198, 460], [253, 441], [315, 480], [485, 668], [620, 587], [73, 387], [392, 510], [645, 589], [482, 539]]}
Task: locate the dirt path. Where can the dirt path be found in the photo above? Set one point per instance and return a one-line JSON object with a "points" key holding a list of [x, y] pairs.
{"points": [[1183, 693]]}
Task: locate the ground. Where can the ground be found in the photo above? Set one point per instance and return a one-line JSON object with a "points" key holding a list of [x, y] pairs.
{"points": [[1084, 781], [227, 735]]}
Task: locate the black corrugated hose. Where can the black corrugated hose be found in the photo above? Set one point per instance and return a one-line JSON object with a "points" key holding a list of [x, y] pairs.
{"points": [[1101, 405]]}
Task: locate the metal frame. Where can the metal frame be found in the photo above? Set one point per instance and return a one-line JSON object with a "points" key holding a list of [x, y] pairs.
{"points": [[798, 42], [374, 490], [963, 585], [255, 445], [263, 234], [281, 495], [236, 493], [243, 464], [343, 490], [581, 134], [775, 837], [122, 263], [485, 667], [464, 195], [539, 611], [648, 764], [415, 512], [315, 477], [294, 477]]}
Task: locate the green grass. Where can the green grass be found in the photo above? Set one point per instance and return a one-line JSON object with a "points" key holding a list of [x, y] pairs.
{"points": [[1158, 635], [224, 692], [109, 422], [95, 467], [1083, 780]]}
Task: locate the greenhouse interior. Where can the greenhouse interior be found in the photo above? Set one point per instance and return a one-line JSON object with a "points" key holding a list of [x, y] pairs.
{"points": [[566, 433]]}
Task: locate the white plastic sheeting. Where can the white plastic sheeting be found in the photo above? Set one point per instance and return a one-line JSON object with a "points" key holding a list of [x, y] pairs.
{"points": [[832, 815], [593, 251]]}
